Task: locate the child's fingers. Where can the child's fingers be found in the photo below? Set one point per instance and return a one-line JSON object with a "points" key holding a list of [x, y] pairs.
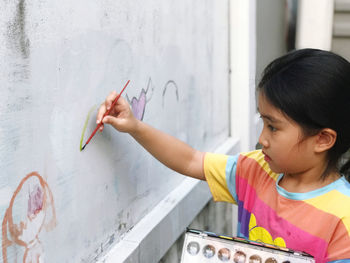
{"points": [[120, 108], [101, 128], [100, 113], [110, 98], [105, 106], [112, 121], [122, 101], [124, 104], [119, 117]]}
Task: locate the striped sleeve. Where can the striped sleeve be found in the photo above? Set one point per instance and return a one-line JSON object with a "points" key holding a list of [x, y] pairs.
{"points": [[220, 173]]}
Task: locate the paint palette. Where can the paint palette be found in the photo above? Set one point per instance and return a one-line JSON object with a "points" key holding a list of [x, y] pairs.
{"points": [[204, 247]]}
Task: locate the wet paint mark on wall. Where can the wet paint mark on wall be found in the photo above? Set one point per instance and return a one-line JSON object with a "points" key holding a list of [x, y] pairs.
{"points": [[85, 126], [21, 229]]}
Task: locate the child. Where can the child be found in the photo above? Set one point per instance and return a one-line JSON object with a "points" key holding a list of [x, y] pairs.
{"points": [[292, 193]]}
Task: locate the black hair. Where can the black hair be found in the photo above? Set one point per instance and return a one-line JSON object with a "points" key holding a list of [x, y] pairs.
{"points": [[312, 87]]}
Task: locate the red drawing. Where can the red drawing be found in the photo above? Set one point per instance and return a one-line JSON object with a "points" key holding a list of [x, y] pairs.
{"points": [[39, 213]]}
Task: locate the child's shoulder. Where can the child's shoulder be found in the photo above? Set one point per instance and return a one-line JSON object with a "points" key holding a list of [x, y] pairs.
{"points": [[342, 187], [342, 191], [336, 200]]}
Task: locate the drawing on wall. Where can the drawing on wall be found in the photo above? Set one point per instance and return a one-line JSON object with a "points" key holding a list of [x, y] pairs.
{"points": [[138, 105], [170, 85], [85, 126], [31, 208]]}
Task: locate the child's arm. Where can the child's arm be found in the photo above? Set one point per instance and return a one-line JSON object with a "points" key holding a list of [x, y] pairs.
{"points": [[172, 152]]}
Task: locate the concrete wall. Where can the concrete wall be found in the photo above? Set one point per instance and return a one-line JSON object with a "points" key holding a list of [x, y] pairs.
{"points": [[58, 59], [271, 26]]}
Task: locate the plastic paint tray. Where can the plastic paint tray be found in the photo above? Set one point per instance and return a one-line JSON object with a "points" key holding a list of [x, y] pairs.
{"points": [[204, 247]]}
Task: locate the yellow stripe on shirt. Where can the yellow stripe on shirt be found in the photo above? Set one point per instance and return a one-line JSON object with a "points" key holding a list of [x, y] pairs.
{"points": [[213, 165], [337, 209]]}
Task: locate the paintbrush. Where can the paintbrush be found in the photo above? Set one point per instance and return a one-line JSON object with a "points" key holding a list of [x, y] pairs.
{"points": [[106, 113]]}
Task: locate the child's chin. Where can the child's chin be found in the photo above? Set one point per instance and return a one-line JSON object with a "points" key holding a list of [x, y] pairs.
{"points": [[275, 169]]}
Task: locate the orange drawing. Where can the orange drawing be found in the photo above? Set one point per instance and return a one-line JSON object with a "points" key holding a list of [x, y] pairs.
{"points": [[21, 227]]}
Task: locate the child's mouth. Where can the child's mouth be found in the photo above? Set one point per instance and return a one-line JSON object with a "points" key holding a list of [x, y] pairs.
{"points": [[266, 157]]}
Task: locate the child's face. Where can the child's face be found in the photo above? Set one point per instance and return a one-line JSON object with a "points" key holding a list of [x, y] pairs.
{"points": [[285, 149]]}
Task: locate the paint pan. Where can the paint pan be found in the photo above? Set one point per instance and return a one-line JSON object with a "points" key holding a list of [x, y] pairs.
{"points": [[206, 247]]}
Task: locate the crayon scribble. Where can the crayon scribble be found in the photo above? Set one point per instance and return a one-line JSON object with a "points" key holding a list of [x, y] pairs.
{"points": [[138, 105], [172, 84], [35, 202], [40, 212]]}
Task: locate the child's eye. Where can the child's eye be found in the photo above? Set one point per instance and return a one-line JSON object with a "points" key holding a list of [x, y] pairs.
{"points": [[273, 129]]}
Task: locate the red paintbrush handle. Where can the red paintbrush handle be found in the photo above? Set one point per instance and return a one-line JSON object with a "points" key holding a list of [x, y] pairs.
{"points": [[106, 113], [93, 133], [115, 101]]}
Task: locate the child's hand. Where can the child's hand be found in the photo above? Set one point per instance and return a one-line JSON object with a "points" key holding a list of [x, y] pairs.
{"points": [[120, 117], [172, 152]]}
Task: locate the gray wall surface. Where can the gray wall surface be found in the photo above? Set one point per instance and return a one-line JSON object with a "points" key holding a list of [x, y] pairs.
{"points": [[271, 25], [59, 59]]}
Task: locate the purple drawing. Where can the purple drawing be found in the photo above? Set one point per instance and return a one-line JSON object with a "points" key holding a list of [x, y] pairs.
{"points": [[138, 105]]}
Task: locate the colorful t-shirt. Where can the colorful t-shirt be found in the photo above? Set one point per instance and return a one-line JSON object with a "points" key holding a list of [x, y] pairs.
{"points": [[316, 222]]}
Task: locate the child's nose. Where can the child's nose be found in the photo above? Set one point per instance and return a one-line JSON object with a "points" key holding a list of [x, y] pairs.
{"points": [[263, 141]]}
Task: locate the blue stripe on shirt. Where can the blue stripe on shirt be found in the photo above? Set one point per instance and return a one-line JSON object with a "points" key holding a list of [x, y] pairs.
{"points": [[231, 175]]}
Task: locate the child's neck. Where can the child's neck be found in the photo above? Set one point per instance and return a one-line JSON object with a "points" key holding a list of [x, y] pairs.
{"points": [[306, 181]]}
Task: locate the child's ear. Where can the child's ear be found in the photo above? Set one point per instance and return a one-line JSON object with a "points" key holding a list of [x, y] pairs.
{"points": [[325, 140]]}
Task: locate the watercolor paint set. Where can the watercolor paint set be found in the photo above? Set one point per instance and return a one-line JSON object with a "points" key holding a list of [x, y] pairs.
{"points": [[202, 247]]}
